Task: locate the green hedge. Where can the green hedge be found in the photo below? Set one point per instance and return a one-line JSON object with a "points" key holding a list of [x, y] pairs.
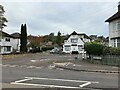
{"points": [[47, 48]]}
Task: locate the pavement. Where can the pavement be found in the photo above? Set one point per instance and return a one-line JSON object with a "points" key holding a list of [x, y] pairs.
{"points": [[82, 65]]}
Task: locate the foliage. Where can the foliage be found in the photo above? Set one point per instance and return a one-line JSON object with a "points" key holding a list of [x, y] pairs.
{"points": [[47, 48], [114, 51], [58, 39], [2, 18], [23, 38], [33, 44], [94, 48]]}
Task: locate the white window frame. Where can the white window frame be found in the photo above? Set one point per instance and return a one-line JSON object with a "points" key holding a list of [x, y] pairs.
{"points": [[74, 40], [7, 48], [67, 48], [7, 39]]}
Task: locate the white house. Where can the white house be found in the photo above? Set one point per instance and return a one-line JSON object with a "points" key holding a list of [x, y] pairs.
{"points": [[8, 43], [75, 43], [16, 42], [114, 29]]}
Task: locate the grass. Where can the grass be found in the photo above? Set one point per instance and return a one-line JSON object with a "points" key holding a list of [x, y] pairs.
{"points": [[10, 56]]}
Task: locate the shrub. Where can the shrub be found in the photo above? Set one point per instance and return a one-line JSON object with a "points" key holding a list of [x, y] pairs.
{"points": [[94, 48], [47, 48]]}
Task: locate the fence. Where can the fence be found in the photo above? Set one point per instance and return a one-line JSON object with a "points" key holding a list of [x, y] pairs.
{"points": [[111, 60], [107, 60]]}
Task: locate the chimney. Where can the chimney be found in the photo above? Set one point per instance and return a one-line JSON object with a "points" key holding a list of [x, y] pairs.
{"points": [[119, 6]]}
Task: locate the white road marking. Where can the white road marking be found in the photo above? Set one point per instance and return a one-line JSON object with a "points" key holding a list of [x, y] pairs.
{"points": [[83, 85], [33, 60], [4, 65], [23, 80], [61, 79], [38, 67], [22, 66], [42, 85], [31, 78], [31, 66], [44, 59], [51, 66]]}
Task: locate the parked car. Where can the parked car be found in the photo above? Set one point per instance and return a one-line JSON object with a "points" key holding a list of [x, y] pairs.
{"points": [[55, 50]]}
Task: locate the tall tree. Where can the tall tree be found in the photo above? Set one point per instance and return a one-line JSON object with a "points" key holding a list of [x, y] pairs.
{"points": [[58, 39], [23, 38], [2, 18]]}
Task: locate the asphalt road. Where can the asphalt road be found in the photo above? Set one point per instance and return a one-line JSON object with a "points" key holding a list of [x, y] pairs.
{"points": [[44, 76]]}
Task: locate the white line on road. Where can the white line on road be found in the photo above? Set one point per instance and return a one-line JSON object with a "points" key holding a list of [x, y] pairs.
{"points": [[61, 79], [83, 85], [23, 80], [31, 66], [31, 78], [42, 85]]}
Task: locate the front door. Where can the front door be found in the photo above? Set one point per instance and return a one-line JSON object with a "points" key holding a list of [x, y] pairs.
{"points": [[74, 49]]}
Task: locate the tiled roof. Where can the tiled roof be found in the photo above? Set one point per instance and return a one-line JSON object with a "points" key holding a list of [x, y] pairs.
{"points": [[16, 35], [114, 17], [4, 34]]}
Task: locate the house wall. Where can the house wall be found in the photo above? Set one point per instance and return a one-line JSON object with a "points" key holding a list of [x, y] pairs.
{"points": [[8, 45], [73, 46], [114, 31], [16, 44]]}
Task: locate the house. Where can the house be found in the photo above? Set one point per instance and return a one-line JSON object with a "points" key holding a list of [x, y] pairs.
{"points": [[7, 43], [75, 43], [93, 37], [114, 29], [16, 43]]}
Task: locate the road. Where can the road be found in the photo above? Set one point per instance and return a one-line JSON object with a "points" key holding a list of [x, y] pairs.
{"points": [[40, 74]]}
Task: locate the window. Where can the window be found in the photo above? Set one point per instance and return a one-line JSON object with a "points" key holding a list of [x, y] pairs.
{"points": [[80, 47], [7, 48], [74, 40], [118, 42], [7, 39], [118, 25], [67, 48]]}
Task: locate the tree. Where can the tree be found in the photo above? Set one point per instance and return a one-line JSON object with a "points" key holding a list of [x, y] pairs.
{"points": [[2, 18], [58, 39], [23, 38]]}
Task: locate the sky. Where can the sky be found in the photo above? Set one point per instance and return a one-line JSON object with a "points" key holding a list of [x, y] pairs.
{"points": [[43, 18]]}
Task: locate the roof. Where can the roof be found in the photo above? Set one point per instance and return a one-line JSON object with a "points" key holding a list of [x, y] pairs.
{"points": [[114, 17], [16, 35], [85, 36], [4, 34], [116, 38], [73, 33]]}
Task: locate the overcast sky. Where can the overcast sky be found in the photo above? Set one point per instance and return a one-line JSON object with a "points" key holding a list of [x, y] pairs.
{"points": [[45, 17]]}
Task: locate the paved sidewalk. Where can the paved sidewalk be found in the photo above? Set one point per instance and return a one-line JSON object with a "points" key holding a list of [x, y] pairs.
{"points": [[82, 65]]}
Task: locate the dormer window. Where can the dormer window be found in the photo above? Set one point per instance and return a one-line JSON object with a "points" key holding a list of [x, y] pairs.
{"points": [[7, 39], [74, 40]]}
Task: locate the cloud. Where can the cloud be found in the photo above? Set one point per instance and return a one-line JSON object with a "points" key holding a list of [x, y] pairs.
{"points": [[46, 17]]}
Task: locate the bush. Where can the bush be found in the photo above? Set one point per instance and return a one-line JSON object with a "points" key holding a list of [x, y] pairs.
{"points": [[111, 51], [47, 48], [94, 48], [115, 51], [35, 50]]}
